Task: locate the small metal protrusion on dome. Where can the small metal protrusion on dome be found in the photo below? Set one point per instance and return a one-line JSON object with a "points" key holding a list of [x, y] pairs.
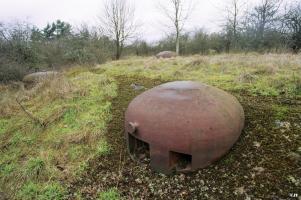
{"points": [[132, 127]]}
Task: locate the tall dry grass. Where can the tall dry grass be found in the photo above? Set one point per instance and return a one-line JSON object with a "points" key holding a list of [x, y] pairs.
{"points": [[46, 90]]}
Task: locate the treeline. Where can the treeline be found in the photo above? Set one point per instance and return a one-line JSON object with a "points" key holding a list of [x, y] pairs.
{"points": [[269, 26], [24, 48]]}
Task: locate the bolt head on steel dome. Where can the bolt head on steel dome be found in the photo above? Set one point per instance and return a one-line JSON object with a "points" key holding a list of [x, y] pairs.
{"points": [[185, 125]]}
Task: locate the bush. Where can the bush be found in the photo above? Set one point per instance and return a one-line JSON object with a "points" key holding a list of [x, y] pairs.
{"points": [[269, 69], [24, 48], [11, 72]]}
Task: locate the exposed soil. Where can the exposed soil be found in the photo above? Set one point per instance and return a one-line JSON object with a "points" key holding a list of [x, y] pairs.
{"points": [[257, 167]]}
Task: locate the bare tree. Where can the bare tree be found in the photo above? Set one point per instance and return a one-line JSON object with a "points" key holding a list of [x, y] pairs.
{"points": [[177, 13], [118, 23], [265, 15], [292, 22], [234, 11]]}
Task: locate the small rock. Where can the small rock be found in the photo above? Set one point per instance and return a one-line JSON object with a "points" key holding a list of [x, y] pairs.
{"points": [[256, 144], [295, 181], [182, 177], [138, 180], [40, 76], [281, 124], [137, 87], [166, 54], [240, 190], [258, 169], [204, 188], [248, 198]]}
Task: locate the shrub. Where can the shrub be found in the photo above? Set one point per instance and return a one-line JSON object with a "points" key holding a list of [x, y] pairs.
{"points": [[11, 72], [196, 64], [267, 70], [246, 77]]}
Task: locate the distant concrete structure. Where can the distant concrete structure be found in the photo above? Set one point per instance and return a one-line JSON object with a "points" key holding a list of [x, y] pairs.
{"points": [[166, 54], [39, 76]]}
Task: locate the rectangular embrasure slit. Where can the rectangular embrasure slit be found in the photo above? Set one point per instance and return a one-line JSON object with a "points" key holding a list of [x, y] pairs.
{"points": [[180, 161], [138, 148]]}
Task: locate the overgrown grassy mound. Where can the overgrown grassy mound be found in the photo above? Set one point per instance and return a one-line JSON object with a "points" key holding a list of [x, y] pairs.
{"points": [[266, 75], [61, 127]]}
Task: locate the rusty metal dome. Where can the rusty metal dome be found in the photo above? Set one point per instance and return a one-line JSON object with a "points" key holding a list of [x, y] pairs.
{"points": [[184, 125]]}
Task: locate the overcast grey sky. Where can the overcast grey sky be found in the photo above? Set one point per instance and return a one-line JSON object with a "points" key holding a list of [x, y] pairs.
{"points": [[206, 13]]}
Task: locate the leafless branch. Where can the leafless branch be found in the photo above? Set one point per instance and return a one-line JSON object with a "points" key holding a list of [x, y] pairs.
{"points": [[118, 23], [177, 12], [30, 115]]}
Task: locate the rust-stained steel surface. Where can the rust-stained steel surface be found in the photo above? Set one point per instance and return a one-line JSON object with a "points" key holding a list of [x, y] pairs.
{"points": [[186, 125]]}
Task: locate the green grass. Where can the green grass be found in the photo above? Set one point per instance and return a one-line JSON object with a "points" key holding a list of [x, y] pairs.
{"points": [[80, 106], [49, 191], [280, 111], [111, 194], [4, 123], [274, 74], [7, 169], [81, 169], [34, 167], [103, 148]]}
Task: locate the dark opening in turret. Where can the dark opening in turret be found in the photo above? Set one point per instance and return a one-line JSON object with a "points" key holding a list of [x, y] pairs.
{"points": [[180, 161], [139, 149]]}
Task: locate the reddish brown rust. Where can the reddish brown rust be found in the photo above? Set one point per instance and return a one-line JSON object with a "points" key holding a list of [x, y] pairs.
{"points": [[186, 125]]}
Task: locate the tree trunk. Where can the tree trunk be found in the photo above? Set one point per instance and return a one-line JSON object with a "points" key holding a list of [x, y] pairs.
{"points": [[235, 25], [118, 51], [178, 44]]}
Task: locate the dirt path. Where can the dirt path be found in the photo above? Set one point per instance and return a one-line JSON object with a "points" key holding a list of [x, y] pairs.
{"points": [[258, 166]]}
